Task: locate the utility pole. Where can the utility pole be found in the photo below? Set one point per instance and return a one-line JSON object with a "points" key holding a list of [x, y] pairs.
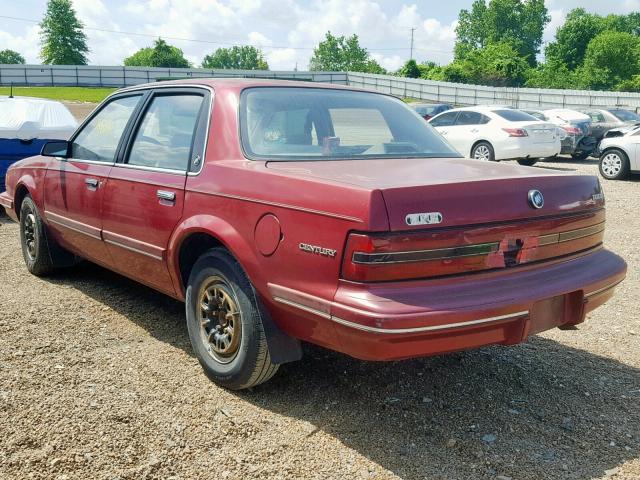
{"points": [[411, 55]]}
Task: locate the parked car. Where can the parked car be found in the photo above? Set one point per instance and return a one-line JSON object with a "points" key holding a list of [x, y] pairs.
{"points": [[293, 212], [26, 124], [620, 153], [498, 133], [576, 138], [603, 120], [430, 110]]}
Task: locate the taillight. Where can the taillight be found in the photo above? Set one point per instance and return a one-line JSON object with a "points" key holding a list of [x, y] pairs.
{"points": [[377, 258], [572, 130], [516, 132]]}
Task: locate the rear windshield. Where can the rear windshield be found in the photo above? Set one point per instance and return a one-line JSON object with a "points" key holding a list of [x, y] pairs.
{"points": [[283, 123], [515, 115], [426, 109], [626, 115]]}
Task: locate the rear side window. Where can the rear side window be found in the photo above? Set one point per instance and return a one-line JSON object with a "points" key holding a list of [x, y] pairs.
{"points": [[471, 118], [444, 120], [98, 140], [165, 136], [515, 115]]}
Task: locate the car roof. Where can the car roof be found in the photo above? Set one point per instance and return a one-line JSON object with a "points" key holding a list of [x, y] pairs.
{"points": [[237, 83]]}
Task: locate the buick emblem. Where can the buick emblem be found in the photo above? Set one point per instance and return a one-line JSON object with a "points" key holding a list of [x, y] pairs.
{"points": [[536, 200]]}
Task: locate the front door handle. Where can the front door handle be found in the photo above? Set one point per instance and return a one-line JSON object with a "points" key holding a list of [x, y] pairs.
{"points": [[91, 183], [167, 196]]}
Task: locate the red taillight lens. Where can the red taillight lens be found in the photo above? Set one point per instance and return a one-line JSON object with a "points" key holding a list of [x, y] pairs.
{"points": [[378, 258], [572, 130], [516, 132]]}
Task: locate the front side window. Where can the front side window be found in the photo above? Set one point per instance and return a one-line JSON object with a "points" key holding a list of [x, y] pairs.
{"points": [[444, 120], [283, 123], [99, 139], [165, 136]]}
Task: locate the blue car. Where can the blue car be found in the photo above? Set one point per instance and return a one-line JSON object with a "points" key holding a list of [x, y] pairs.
{"points": [[26, 124]]}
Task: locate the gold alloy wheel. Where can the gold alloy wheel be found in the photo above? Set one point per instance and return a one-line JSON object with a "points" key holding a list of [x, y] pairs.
{"points": [[220, 319], [30, 235]]}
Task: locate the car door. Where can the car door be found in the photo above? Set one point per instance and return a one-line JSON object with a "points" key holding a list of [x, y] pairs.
{"points": [[599, 125], [466, 130], [73, 187], [443, 124], [144, 194]]}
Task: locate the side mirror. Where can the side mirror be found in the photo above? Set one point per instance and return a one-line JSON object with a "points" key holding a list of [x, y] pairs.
{"points": [[56, 148]]}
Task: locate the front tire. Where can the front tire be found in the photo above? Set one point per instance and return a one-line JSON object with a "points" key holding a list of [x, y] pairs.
{"points": [[614, 164], [224, 319], [483, 151], [33, 239]]}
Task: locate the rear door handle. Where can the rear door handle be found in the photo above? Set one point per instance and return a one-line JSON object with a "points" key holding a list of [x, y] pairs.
{"points": [[167, 196], [91, 183]]}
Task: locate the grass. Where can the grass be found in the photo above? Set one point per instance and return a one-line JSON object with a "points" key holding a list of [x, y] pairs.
{"points": [[79, 94]]}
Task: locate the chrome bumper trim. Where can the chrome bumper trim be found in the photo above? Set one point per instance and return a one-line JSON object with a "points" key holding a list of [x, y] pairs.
{"points": [[432, 328], [603, 289]]}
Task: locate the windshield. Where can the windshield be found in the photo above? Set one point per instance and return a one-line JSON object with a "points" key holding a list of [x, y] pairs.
{"points": [[426, 109], [282, 123], [626, 115]]}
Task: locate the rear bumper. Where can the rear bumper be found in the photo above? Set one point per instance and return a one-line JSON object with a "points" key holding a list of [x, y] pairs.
{"points": [[525, 148], [420, 318]]}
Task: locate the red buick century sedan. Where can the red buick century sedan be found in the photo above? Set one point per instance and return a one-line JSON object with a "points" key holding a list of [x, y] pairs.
{"points": [[282, 212]]}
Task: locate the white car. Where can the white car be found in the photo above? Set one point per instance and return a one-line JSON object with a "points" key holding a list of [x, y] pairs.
{"points": [[498, 133], [620, 152]]}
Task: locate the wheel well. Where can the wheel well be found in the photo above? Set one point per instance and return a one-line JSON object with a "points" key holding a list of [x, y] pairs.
{"points": [[608, 149], [191, 249], [476, 144], [21, 192]]}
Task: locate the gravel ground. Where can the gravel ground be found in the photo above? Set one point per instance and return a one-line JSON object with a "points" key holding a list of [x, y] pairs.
{"points": [[97, 380]]}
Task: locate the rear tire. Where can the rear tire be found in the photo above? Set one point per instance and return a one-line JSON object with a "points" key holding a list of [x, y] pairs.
{"points": [[528, 162], [224, 318], [33, 239], [483, 151], [614, 164]]}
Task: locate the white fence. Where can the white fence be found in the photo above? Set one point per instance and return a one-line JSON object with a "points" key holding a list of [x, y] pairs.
{"points": [[428, 90], [98, 76]]}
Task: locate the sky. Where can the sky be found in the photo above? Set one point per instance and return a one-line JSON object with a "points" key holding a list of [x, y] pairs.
{"points": [[286, 30]]}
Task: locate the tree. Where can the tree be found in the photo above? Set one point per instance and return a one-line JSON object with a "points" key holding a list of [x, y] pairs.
{"points": [[341, 54], [62, 39], [10, 57], [580, 27], [610, 59], [552, 74], [497, 64], [160, 55], [410, 69], [519, 22], [238, 58]]}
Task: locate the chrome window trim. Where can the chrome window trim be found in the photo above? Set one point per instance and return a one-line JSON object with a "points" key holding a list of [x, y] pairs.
{"points": [[150, 86], [151, 169]]}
